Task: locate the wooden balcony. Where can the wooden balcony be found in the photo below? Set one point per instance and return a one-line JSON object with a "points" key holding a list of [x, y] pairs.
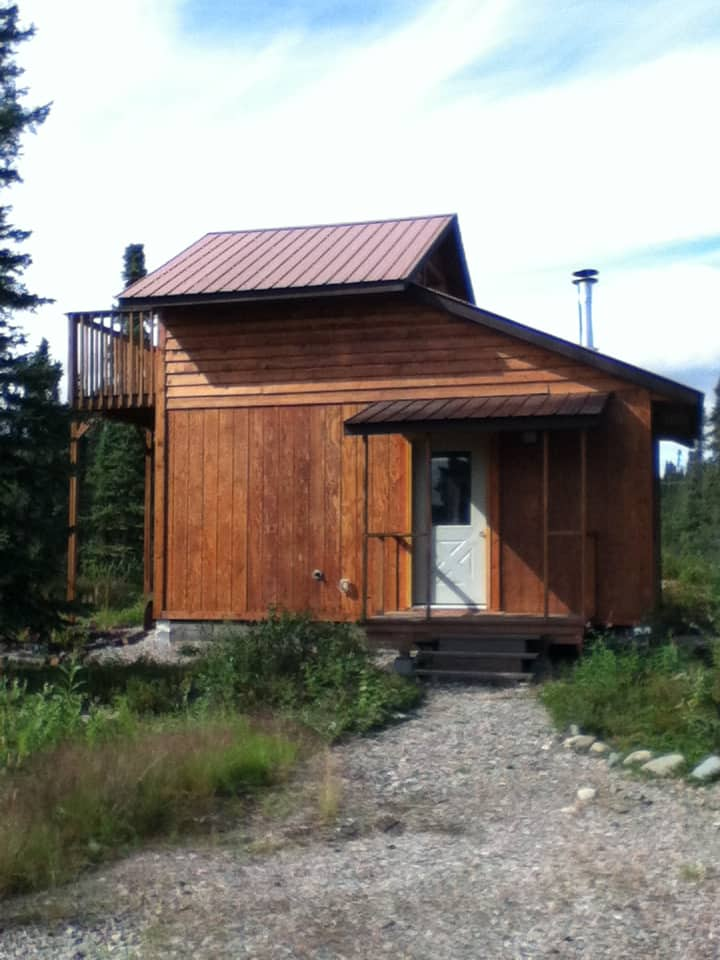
{"points": [[112, 358]]}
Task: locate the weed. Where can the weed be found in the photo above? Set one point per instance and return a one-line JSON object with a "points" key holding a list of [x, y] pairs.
{"points": [[128, 615], [693, 872], [330, 790]]}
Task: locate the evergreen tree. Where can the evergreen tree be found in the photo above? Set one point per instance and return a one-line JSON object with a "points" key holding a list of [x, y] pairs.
{"points": [[112, 550], [33, 424], [133, 263], [113, 518], [713, 438]]}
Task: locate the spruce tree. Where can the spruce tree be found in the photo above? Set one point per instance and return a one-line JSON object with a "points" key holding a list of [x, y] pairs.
{"points": [[113, 521], [33, 424], [133, 263]]}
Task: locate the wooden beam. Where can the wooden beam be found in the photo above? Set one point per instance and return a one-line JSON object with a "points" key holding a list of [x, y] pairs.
{"points": [[72, 362], [160, 488], [366, 528], [494, 524], [147, 516], [428, 526], [545, 518], [77, 432], [583, 522]]}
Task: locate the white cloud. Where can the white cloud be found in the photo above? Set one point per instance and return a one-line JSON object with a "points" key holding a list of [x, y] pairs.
{"points": [[155, 138]]}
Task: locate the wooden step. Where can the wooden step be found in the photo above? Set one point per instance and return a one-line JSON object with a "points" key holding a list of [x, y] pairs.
{"points": [[489, 654], [473, 674], [478, 638]]}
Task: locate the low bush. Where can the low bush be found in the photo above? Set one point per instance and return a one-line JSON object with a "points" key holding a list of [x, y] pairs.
{"points": [[664, 699], [30, 722], [81, 802], [149, 687], [320, 672], [690, 596]]}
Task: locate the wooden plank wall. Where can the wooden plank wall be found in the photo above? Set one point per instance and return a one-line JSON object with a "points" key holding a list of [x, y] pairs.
{"points": [[250, 356], [620, 544], [261, 497], [262, 486]]}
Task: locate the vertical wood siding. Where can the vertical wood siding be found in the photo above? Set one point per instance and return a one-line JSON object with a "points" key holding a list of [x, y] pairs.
{"points": [[262, 497], [619, 546], [262, 487]]}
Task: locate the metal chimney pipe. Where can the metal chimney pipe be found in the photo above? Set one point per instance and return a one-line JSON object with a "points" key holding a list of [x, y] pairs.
{"points": [[584, 280]]}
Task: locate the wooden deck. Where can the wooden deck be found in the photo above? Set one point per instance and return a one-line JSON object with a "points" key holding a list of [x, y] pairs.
{"points": [[112, 359], [407, 629]]}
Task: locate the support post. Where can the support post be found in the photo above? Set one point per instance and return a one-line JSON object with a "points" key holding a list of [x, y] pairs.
{"points": [[546, 519], [72, 361], [428, 527], [583, 522], [160, 485], [77, 431], [147, 518], [366, 528]]}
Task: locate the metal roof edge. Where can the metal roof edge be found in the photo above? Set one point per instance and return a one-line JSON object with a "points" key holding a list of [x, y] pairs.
{"points": [[619, 368], [486, 424], [255, 296]]}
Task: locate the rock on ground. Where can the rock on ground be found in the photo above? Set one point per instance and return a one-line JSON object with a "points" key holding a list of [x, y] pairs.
{"points": [[664, 766], [636, 757], [449, 846], [709, 769]]}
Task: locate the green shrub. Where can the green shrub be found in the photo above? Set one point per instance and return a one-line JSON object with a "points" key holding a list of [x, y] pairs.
{"points": [[664, 699], [319, 671], [82, 802]]}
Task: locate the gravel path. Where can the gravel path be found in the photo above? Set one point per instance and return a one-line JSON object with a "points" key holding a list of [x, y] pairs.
{"points": [[451, 844]]}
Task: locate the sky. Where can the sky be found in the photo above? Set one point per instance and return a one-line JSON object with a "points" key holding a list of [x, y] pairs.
{"points": [[564, 135]]}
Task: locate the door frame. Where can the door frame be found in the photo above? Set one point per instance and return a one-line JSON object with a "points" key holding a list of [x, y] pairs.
{"points": [[423, 560]]}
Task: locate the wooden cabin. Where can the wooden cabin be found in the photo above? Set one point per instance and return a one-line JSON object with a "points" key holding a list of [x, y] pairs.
{"points": [[334, 426]]}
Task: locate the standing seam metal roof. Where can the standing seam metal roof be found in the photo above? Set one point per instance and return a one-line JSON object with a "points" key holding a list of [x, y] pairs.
{"points": [[490, 409], [295, 257]]}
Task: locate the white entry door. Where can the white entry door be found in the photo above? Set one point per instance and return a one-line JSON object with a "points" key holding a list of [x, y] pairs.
{"points": [[458, 562]]}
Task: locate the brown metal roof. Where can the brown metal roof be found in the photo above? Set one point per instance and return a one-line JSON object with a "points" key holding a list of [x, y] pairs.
{"points": [[513, 413], [377, 252]]}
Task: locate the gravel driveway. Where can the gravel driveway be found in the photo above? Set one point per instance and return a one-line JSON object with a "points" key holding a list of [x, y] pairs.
{"points": [[454, 842]]}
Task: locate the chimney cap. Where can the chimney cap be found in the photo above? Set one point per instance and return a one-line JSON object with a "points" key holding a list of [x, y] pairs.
{"points": [[587, 276]]}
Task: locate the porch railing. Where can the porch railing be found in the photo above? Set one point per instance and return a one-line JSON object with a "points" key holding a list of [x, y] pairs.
{"points": [[387, 560], [112, 359]]}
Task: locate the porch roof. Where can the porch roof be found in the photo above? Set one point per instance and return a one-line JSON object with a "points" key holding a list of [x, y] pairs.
{"points": [[535, 411]]}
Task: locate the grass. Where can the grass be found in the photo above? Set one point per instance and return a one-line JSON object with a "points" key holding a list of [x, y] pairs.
{"points": [[83, 801], [109, 618], [96, 760], [664, 700]]}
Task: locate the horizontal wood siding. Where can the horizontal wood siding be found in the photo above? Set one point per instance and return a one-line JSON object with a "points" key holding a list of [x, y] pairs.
{"points": [[262, 497], [249, 356]]}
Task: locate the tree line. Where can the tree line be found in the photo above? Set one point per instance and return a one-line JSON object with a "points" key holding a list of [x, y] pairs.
{"points": [[34, 423], [690, 531]]}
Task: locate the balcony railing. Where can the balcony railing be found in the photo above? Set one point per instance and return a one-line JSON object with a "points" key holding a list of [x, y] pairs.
{"points": [[111, 359]]}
